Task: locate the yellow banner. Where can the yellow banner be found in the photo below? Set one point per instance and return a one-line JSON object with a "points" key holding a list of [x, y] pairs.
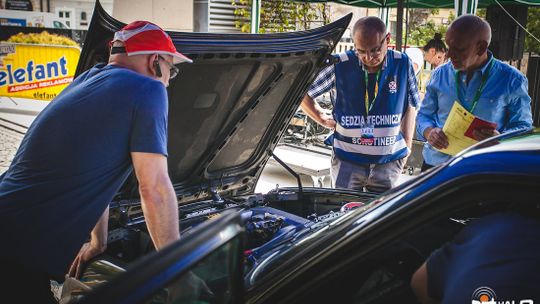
{"points": [[36, 71]]}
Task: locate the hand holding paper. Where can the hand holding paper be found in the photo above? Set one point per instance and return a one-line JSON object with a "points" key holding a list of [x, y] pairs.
{"points": [[463, 129], [481, 129], [436, 138], [481, 134]]}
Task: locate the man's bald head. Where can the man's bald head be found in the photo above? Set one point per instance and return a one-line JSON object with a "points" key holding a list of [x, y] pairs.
{"points": [[468, 38], [369, 25], [471, 26], [371, 41]]}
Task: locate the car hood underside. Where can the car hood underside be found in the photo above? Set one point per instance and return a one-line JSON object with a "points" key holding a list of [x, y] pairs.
{"points": [[229, 108]]}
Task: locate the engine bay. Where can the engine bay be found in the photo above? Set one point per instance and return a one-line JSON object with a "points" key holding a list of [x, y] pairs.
{"points": [[269, 219]]}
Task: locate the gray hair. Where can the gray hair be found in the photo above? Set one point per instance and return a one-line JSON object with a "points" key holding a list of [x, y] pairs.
{"points": [[369, 24]]}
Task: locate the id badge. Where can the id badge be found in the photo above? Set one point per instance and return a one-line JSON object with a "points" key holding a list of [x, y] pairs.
{"points": [[367, 131], [367, 137]]}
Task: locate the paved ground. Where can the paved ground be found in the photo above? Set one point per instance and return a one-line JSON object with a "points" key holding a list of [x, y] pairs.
{"points": [[16, 115], [9, 142]]}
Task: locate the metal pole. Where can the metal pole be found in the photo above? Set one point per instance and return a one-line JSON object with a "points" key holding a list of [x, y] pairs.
{"points": [[383, 14], [463, 7], [406, 25], [255, 16], [399, 28]]}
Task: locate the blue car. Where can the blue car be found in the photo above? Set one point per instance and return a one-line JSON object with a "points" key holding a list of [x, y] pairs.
{"points": [[228, 111]]}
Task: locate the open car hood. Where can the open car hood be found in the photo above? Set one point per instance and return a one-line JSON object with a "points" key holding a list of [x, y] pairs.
{"points": [[229, 108]]}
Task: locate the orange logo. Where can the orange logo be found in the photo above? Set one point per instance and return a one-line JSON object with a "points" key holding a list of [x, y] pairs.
{"points": [[483, 295]]}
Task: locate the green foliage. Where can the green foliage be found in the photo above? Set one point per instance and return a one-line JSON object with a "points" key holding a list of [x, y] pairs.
{"points": [[451, 17], [481, 12], [281, 15], [421, 30], [533, 26], [421, 35]]}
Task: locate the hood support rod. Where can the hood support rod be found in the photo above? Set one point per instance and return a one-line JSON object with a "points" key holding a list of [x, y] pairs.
{"points": [[291, 171]]}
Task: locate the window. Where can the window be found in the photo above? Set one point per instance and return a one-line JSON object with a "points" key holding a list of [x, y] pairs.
{"points": [[201, 268], [83, 16], [58, 24], [211, 279], [66, 16]]}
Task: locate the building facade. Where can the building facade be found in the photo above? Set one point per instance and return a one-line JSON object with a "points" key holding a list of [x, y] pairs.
{"points": [[77, 14]]}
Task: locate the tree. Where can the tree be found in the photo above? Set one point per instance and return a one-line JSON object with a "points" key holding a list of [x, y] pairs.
{"points": [[421, 30], [533, 26], [281, 15]]}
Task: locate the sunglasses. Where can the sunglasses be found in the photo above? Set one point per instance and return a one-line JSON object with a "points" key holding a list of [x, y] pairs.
{"points": [[173, 69]]}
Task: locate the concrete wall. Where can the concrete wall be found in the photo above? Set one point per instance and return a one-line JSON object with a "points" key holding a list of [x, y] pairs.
{"points": [[77, 8], [339, 10], [169, 14]]}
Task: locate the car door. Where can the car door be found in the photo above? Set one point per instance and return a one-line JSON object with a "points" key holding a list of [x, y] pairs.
{"points": [[374, 264], [203, 267]]}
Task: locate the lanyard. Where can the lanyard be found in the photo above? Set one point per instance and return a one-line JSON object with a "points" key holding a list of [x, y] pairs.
{"points": [[369, 105], [480, 88]]}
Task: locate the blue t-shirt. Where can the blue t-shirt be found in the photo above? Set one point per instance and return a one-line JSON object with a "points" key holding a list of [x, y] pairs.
{"points": [[72, 161], [499, 252]]}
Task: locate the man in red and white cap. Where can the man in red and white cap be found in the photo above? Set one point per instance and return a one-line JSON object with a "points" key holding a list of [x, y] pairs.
{"points": [[145, 38], [76, 155]]}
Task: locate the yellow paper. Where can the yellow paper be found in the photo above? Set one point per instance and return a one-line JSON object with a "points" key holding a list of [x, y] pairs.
{"points": [[457, 123]]}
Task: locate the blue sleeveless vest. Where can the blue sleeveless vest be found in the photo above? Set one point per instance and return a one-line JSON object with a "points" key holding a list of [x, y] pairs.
{"points": [[384, 142]]}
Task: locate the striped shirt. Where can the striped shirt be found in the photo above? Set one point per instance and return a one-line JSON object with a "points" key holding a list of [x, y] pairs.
{"points": [[326, 82]]}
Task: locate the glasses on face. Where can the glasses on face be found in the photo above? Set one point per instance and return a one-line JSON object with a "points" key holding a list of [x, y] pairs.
{"points": [[173, 69], [375, 52]]}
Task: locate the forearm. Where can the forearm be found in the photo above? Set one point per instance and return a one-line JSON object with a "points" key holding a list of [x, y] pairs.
{"points": [[426, 117], [161, 213], [313, 110], [98, 236], [424, 124]]}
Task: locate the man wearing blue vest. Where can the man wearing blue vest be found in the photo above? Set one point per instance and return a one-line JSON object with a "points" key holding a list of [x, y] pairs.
{"points": [[374, 94], [488, 88]]}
